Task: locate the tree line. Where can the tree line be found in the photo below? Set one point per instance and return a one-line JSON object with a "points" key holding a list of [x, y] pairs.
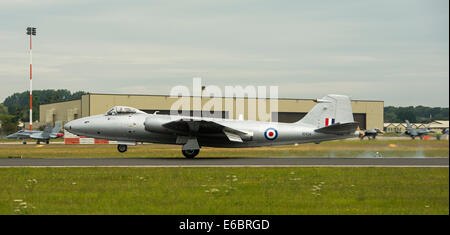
{"points": [[418, 114], [16, 107]]}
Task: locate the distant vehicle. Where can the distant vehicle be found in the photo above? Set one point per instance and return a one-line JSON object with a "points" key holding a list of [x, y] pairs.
{"points": [[39, 136], [416, 132], [372, 133], [330, 119]]}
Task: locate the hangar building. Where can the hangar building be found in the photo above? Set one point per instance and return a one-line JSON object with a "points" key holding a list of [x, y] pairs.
{"points": [[369, 113]]}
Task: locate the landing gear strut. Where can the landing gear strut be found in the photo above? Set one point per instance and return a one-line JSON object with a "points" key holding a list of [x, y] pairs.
{"points": [[191, 153], [122, 148]]}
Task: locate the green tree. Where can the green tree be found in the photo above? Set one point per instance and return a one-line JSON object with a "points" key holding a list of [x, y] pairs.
{"points": [[419, 114], [3, 109], [9, 123], [390, 117], [406, 114], [18, 103]]}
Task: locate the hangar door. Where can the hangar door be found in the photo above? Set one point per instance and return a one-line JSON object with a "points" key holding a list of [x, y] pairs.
{"points": [[361, 119]]}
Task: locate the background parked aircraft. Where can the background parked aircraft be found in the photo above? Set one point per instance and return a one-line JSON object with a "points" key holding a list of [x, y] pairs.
{"points": [[416, 132], [372, 133], [39, 136]]}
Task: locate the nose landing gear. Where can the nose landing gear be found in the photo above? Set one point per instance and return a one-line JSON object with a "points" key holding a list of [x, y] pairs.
{"points": [[122, 148]]}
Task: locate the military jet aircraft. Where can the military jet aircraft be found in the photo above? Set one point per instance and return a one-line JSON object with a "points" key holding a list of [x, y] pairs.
{"points": [[39, 136], [372, 133], [416, 132], [330, 119]]}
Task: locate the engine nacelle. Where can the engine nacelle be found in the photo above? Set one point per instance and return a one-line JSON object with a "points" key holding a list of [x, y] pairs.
{"points": [[154, 124]]}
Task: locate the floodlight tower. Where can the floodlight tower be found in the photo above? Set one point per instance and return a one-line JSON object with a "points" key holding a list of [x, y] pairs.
{"points": [[32, 32]]}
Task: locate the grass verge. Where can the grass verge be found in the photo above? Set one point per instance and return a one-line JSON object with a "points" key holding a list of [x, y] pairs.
{"points": [[224, 191]]}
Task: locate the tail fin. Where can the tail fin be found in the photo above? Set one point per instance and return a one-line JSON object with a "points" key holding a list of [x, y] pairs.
{"points": [[47, 128], [408, 125], [56, 128], [329, 110]]}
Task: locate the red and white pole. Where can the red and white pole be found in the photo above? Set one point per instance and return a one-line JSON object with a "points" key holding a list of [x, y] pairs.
{"points": [[31, 87]]}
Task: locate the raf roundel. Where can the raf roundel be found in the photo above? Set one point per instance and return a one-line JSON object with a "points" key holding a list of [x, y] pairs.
{"points": [[271, 134]]}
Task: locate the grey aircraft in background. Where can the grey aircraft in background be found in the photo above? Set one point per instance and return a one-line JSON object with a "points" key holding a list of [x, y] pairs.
{"points": [[416, 132], [372, 133], [39, 136], [330, 119]]}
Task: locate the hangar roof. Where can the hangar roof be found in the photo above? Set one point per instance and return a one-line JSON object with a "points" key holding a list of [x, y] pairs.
{"points": [[96, 93]]}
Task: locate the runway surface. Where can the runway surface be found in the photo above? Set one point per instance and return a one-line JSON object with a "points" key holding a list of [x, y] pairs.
{"points": [[225, 162]]}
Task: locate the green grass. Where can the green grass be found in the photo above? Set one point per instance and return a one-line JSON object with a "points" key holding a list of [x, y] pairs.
{"points": [[224, 191], [343, 148]]}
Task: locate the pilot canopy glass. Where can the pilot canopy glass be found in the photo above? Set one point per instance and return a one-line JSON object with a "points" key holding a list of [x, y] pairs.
{"points": [[120, 110]]}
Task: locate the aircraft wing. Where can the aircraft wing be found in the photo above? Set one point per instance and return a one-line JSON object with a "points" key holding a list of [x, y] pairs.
{"points": [[413, 132], [39, 136], [195, 127], [425, 131]]}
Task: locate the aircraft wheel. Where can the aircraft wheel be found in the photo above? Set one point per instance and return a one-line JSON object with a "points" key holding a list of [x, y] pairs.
{"points": [[38, 142], [24, 142], [190, 153], [122, 148], [47, 142]]}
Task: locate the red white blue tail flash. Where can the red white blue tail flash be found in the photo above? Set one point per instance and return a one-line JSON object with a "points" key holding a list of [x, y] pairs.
{"points": [[327, 121]]}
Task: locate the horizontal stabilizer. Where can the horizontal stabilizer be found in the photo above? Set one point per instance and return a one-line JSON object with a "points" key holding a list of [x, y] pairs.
{"points": [[339, 129]]}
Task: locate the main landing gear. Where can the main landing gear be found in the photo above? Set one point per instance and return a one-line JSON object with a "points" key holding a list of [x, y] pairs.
{"points": [[191, 153], [39, 142], [122, 148], [188, 153]]}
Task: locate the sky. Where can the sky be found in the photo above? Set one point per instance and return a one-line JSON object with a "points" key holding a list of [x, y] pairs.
{"points": [[396, 51]]}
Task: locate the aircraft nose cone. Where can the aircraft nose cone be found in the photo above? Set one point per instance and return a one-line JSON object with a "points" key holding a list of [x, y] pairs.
{"points": [[72, 126], [78, 126], [66, 127]]}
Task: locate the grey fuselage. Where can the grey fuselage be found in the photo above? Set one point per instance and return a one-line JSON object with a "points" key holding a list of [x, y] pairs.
{"points": [[29, 134], [132, 128], [45, 135], [418, 132]]}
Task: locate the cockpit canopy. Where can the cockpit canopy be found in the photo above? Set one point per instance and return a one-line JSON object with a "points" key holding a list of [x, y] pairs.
{"points": [[118, 110]]}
